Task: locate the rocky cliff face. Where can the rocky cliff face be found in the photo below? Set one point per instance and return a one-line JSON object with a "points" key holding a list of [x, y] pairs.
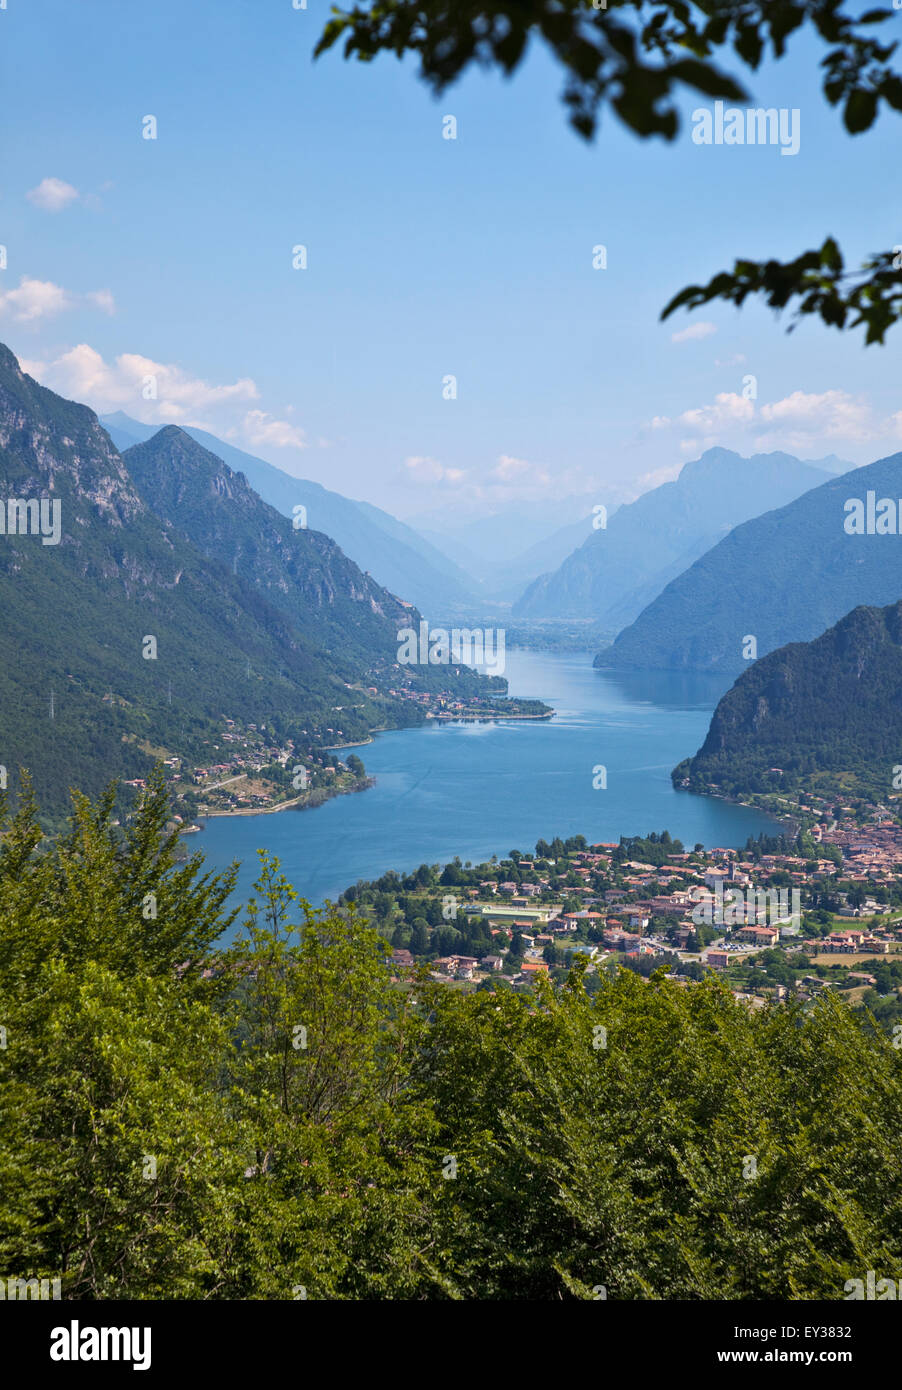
{"points": [[79, 605], [249, 618], [300, 570]]}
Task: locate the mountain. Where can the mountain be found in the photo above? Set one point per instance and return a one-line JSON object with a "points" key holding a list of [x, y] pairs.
{"points": [[832, 464], [494, 532], [300, 572], [114, 583], [783, 577], [623, 565], [830, 709], [121, 639], [503, 579], [508, 580], [124, 431], [394, 554], [624, 610]]}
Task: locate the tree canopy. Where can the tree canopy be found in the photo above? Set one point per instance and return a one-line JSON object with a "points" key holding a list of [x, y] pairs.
{"points": [[285, 1117]]}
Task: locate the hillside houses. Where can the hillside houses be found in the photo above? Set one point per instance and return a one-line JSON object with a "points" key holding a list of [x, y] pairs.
{"points": [[846, 943], [529, 916]]}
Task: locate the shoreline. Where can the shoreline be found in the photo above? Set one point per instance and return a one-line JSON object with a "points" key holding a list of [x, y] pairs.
{"points": [[251, 810], [487, 718], [369, 782], [443, 716], [297, 801], [786, 819]]}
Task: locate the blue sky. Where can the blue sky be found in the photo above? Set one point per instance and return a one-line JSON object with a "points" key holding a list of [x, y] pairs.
{"points": [[426, 257]]}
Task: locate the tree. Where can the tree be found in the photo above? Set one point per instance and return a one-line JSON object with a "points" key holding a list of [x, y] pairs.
{"points": [[650, 1128], [419, 938], [116, 1150], [193, 1121], [636, 59]]}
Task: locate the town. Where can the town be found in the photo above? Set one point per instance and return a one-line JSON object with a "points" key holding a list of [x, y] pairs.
{"points": [[784, 918]]}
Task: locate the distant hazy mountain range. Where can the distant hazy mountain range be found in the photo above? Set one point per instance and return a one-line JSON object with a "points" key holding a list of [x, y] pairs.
{"points": [[395, 555], [783, 577], [144, 601], [827, 711], [505, 552], [622, 567]]}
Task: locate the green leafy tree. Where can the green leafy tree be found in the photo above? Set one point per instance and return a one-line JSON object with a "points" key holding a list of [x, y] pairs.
{"points": [[279, 1118]]}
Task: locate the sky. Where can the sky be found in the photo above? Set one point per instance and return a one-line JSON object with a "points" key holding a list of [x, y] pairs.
{"points": [[173, 258]]}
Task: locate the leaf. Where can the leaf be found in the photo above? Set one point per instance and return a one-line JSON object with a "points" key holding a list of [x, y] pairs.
{"points": [[861, 109]]}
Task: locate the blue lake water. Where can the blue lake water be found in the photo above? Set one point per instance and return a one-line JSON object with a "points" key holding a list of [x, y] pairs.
{"points": [[480, 789]]}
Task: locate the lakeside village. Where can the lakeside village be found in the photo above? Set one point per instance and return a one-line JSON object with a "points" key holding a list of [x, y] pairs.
{"points": [[784, 918], [248, 774]]}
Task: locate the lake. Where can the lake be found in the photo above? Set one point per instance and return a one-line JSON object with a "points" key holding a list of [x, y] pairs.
{"points": [[480, 789]]}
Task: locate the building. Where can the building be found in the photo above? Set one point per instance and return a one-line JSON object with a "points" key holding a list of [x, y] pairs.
{"points": [[582, 950], [573, 920], [759, 936]]}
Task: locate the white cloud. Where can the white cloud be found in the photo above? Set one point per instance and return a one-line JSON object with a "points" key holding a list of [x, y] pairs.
{"points": [[736, 360], [35, 299], [515, 479], [82, 374], [804, 423], [103, 299], [52, 195], [694, 332], [727, 410], [424, 470], [508, 480], [261, 429], [807, 416], [693, 448], [509, 470], [42, 299], [830, 414], [157, 392]]}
